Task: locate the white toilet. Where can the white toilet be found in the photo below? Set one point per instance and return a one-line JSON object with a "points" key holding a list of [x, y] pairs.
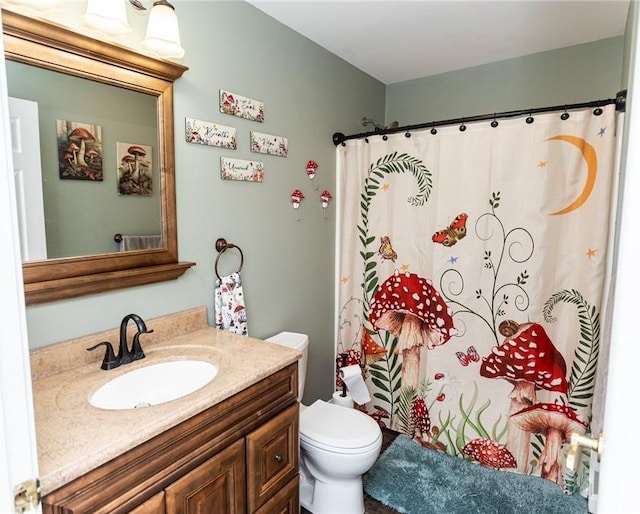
{"points": [[337, 446]]}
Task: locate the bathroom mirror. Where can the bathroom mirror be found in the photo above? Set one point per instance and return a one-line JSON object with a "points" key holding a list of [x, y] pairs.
{"points": [[49, 47]]}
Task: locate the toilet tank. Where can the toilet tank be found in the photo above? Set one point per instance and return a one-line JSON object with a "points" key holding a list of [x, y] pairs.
{"points": [[298, 342]]}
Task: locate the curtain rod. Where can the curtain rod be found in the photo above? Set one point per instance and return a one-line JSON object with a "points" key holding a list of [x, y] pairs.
{"points": [[619, 101]]}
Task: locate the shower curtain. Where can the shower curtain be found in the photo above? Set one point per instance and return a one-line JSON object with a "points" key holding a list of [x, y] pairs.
{"points": [[471, 266]]}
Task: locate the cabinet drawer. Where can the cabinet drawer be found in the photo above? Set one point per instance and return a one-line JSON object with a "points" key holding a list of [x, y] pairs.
{"points": [[272, 457], [286, 501], [218, 485]]}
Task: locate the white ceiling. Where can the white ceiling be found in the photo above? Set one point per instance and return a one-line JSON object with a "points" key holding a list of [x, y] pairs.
{"points": [[395, 40]]}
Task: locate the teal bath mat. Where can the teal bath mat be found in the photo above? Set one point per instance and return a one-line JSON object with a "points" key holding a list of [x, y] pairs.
{"points": [[416, 480]]}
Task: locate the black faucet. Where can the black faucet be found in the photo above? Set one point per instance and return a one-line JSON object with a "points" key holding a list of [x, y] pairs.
{"points": [[125, 355]]}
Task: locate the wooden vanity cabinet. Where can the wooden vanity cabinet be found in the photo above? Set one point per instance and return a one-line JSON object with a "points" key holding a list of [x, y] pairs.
{"points": [[239, 456]]}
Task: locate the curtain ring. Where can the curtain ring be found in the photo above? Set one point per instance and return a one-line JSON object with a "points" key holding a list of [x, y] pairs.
{"points": [[529, 119], [385, 137], [462, 126], [434, 130], [407, 134], [597, 111], [494, 123], [565, 115]]}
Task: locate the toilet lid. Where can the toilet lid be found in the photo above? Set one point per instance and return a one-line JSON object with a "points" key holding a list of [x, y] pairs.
{"points": [[324, 424]]}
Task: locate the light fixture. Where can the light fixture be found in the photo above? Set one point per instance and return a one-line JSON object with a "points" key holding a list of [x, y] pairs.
{"points": [[163, 33], [107, 16], [110, 17]]}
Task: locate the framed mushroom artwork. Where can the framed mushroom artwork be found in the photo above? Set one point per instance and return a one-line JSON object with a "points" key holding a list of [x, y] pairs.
{"points": [[79, 150], [135, 174]]}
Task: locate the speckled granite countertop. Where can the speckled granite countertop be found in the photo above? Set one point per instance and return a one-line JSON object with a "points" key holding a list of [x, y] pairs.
{"points": [[74, 437]]}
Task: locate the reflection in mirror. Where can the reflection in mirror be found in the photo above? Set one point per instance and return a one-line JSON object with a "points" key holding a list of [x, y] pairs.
{"points": [[84, 205], [76, 261]]}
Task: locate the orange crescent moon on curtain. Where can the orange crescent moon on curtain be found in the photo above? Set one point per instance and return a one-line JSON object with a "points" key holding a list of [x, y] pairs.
{"points": [[590, 157]]}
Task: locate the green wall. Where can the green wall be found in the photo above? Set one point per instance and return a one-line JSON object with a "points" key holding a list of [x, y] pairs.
{"points": [[575, 74], [308, 95]]}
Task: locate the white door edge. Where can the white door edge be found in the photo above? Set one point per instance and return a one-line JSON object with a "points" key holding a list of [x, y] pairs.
{"points": [[18, 450]]}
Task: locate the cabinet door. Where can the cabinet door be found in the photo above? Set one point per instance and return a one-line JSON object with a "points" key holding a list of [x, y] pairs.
{"points": [[217, 486], [154, 505], [272, 457]]}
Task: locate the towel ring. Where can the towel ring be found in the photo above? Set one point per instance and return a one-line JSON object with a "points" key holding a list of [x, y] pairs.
{"points": [[221, 247]]}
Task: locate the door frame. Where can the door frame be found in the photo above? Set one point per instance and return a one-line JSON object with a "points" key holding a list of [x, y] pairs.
{"points": [[18, 449]]}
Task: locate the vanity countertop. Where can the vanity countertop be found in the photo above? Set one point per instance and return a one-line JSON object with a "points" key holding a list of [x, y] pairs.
{"points": [[74, 437]]}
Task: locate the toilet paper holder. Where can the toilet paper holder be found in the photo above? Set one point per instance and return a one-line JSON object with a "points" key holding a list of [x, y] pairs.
{"points": [[344, 356]]}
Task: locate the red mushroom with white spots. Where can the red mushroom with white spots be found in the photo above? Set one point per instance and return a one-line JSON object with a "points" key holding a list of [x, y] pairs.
{"points": [[489, 453], [528, 360], [296, 197], [556, 422], [420, 419], [409, 307]]}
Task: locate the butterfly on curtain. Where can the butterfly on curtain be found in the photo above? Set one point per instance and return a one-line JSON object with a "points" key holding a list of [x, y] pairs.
{"points": [[453, 233], [386, 251], [470, 356]]}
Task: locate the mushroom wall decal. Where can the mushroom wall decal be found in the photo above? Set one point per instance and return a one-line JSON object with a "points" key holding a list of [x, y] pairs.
{"points": [[312, 166], [325, 196], [411, 309], [556, 422], [489, 453], [296, 197], [527, 359]]}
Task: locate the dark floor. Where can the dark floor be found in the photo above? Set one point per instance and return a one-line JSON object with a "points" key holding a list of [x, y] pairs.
{"points": [[372, 506]]}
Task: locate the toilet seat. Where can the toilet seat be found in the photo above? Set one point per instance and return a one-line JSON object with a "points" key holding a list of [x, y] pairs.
{"points": [[338, 429]]}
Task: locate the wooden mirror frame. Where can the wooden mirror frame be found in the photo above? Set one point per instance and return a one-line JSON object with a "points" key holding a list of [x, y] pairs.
{"points": [[53, 47]]}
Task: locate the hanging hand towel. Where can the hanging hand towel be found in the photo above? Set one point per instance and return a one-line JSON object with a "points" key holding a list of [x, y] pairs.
{"points": [[140, 242], [229, 305]]}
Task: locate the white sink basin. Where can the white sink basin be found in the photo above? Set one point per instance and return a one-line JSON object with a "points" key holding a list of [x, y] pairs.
{"points": [[154, 384]]}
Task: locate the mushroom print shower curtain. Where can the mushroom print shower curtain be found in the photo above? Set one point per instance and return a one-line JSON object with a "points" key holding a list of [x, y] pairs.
{"points": [[472, 264]]}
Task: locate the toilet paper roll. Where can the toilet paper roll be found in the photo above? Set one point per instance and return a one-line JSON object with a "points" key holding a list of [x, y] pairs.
{"points": [[345, 401], [352, 376]]}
